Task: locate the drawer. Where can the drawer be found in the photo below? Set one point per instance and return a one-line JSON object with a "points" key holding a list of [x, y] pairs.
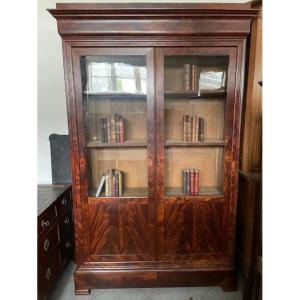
{"points": [[64, 202], [46, 219], [65, 221], [47, 242], [48, 274], [67, 246]]}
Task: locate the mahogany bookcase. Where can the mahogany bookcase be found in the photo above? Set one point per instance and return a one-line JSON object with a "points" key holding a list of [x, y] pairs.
{"points": [[150, 65]]}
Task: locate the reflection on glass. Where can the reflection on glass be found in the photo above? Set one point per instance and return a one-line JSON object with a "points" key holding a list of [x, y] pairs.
{"points": [[116, 77]]}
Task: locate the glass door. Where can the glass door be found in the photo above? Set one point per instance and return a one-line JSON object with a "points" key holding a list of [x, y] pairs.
{"points": [[195, 107], [115, 117], [115, 99]]}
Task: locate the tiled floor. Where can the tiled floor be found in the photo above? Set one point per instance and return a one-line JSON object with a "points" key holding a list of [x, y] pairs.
{"points": [[64, 290]]}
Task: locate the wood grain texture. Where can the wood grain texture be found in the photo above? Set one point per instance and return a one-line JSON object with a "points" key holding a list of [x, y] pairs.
{"points": [[132, 242]]}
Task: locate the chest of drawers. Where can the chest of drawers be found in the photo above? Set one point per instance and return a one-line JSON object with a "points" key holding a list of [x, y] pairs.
{"points": [[55, 234]]}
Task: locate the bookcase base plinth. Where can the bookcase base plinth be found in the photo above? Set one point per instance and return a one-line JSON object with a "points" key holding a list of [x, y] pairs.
{"points": [[97, 278]]}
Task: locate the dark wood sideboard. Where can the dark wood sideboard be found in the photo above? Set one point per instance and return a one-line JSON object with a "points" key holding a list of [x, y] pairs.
{"points": [[55, 234]]}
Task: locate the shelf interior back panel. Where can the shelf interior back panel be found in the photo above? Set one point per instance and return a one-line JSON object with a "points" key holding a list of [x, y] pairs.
{"points": [[209, 161]]}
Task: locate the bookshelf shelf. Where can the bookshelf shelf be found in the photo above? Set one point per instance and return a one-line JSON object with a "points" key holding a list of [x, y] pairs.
{"points": [[221, 93], [128, 193], [126, 144], [206, 143], [175, 191], [115, 95]]}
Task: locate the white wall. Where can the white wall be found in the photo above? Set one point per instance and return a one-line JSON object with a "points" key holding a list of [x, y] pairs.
{"points": [[52, 114]]}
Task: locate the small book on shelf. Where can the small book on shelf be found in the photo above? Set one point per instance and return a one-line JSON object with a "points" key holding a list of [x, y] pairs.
{"points": [[190, 182], [112, 129], [112, 180], [193, 128]]}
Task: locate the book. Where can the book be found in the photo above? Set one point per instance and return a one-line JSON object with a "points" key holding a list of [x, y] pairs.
{"points": [[193, 78], [192, 183], [196, 133], [122, 130], [106, 185], [184, 180], [186, 76], [108, 130], [201, 129], [100, 186], [196, 184]]}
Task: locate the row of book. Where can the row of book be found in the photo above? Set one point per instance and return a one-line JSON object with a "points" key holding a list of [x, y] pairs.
{"points": [[113, 182], [112, 129], [193, 129], [191, 182], [196, 78]]}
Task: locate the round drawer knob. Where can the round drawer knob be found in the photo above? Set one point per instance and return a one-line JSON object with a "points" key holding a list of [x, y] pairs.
{"points": [[45, 224], [48, 274], [67, 220], [68, 244], [46, 245]]}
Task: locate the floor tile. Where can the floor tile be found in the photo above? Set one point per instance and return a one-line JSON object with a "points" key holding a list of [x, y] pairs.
{"points": [[119, 294], [183, 293], [216, 293]]}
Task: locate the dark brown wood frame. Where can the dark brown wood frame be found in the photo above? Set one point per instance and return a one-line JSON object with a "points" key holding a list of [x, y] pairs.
{"points": [[153, 30]]}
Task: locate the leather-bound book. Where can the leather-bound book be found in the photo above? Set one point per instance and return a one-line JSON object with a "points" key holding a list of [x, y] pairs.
{"points": [[201, 129], [188, 182], [185, 128], [120, 183], [192, 181], [184, 180], [196, 135], [186, 77], [189, 129], [107, 130], [193, 77], [196, 184], [122, 130], [117, 117], [105, 124]]}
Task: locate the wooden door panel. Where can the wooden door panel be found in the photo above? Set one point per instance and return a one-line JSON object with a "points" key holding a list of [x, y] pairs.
{"points": [[119, 229], [192, 228]]}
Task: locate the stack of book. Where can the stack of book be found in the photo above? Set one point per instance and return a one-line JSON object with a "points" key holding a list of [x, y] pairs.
{"points": [[190, 77], [112, 129], [193, 129], [191, 182], [112, 180]]}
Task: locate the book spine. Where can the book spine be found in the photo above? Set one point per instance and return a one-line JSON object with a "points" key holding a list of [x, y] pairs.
{"points": [[184, 181], [186, 76], [194, 133], [192, 181], [112, 129], [120, 183], [122, 130], [101, 130], [196, 182], [106, 186], [105, 130], [114, 184], [117, 128], [184, 128], [188, 183], [193, 77], [117, 183], [201, 127], [196, 129], [190, 124]]}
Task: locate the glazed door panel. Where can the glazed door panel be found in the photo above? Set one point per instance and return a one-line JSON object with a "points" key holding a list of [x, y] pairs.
{"points": [[195, 91], [115, 112]]}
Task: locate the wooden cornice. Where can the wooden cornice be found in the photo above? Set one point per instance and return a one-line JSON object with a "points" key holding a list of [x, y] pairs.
{"points": [[159, 19]]}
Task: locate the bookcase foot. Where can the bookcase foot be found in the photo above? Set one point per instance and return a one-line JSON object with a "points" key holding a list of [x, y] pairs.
{"points": [[230, 285]]}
